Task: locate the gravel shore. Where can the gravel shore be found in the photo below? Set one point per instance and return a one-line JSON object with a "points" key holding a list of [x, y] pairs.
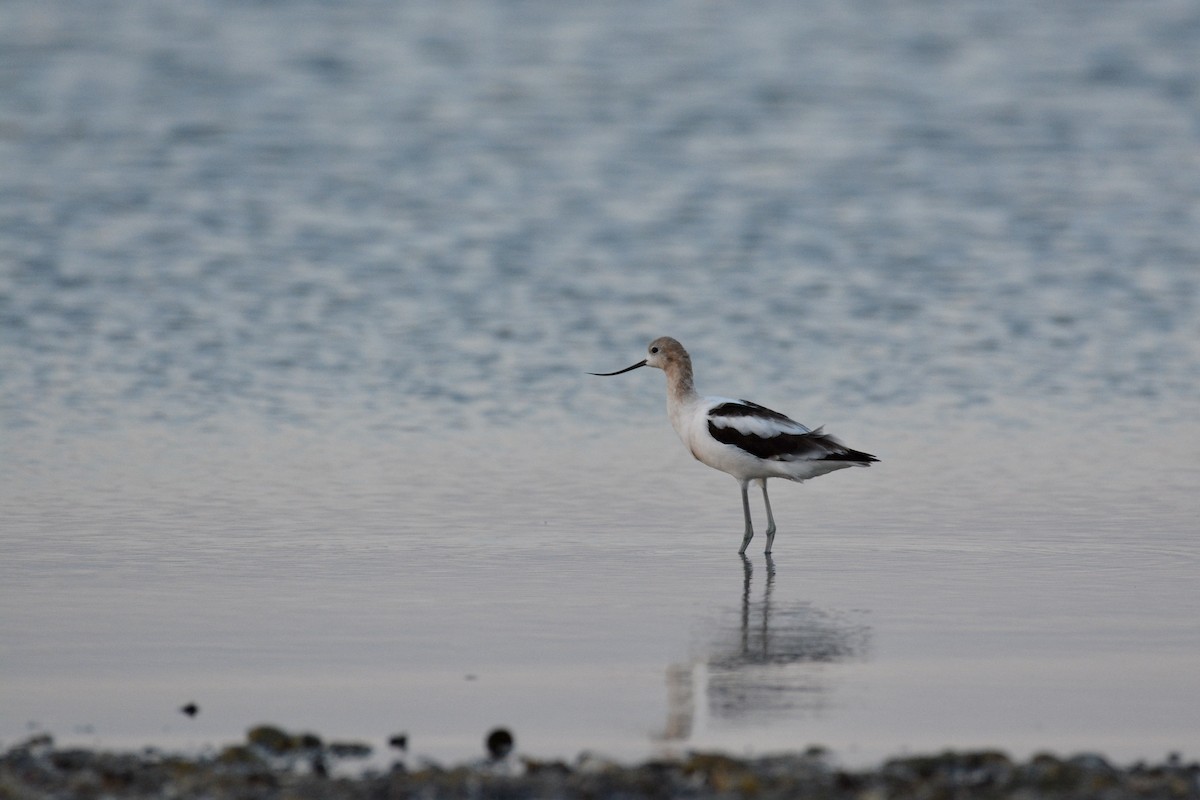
{"points": [[272, 764]]}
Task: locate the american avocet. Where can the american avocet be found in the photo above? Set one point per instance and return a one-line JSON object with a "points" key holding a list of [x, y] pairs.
{"points": [[743, 439]]}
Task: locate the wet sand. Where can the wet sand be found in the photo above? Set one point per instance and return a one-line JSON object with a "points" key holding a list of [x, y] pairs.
{"points": [[273, 763]]}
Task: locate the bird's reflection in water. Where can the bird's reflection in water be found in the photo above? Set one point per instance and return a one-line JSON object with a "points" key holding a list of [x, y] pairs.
{"points": [[762, 659]]}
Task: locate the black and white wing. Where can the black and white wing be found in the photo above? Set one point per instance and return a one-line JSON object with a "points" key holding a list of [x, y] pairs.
{"points": [[769, 435]]}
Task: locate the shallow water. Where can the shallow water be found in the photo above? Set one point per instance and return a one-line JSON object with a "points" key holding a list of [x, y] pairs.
{"points": [[296, 301], [357, 586]]}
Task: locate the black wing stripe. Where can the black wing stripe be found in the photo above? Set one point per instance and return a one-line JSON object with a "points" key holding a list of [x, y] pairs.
{"points": [[744, 408], [814, 446]]}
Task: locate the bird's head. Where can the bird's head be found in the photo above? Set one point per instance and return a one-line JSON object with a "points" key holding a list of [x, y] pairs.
{"points": [[662, 353]]}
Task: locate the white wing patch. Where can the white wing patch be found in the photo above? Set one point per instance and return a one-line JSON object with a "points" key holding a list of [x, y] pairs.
{"points": [[758, 426], [751, 419]]}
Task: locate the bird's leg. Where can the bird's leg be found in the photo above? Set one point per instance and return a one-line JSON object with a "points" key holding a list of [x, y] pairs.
{"points": [[770, 517], [746, 510]]}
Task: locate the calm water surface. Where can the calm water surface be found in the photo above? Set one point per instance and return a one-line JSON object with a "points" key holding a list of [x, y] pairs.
{"points": [[296, 301]]}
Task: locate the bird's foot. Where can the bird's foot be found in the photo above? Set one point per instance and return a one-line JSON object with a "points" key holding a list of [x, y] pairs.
{"points": [[746, 541]]}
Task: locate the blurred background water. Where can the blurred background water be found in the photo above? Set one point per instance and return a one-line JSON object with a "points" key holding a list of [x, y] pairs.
{"points": [[296, 300]]}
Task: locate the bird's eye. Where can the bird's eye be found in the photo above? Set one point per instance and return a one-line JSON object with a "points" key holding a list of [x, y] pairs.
{"points": [[653, 350]]}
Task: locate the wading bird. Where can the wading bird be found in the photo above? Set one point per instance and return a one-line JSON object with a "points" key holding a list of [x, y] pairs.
{"points": [[746, 440]]}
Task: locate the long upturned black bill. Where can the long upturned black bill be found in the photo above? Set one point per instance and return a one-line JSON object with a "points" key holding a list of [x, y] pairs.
{"points": [[641, 363]]}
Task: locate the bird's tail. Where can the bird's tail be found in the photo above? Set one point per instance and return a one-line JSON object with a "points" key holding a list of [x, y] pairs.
{"points": [[836, 451]]}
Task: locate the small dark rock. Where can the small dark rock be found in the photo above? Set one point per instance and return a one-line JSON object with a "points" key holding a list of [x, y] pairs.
{"points": [[274, 741], [73, 760], [349, 749], [499, 743], [42, 741], [307, 741], [238, 754], [535, 767]]}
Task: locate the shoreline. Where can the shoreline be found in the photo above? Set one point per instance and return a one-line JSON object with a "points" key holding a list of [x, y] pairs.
{"points": [[272, 763]]}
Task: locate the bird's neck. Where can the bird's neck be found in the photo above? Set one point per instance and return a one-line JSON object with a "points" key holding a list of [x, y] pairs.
{"points": [[680, 389]]}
